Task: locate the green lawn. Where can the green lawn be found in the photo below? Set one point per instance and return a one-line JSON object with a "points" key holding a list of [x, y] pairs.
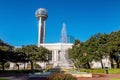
{"points": [[115, 79], [3, 79], [95, 71]]}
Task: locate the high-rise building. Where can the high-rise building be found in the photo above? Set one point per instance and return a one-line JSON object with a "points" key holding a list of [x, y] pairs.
{"points": [[70, 39]]}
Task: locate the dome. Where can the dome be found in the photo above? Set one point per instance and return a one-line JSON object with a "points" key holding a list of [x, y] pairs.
{"points": [[41, 12]]}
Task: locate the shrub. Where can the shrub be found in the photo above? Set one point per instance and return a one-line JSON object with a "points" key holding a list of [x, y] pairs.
{"points": [[60, 76], [48, 67], [7, 65], [37, 66], [93, 71], [97, 71], [55, 70], [18, 71]]}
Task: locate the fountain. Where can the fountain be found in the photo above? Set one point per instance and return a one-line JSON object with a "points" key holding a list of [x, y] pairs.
{"points": [[63, 34], [64, 62]]}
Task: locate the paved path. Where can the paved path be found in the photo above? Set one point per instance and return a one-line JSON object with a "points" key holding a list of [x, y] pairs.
{"points": [[101, 77], [17, 76], [26, 77]]}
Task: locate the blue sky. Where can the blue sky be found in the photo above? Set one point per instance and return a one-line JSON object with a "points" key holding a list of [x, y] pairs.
{"points": [[83, 18]]}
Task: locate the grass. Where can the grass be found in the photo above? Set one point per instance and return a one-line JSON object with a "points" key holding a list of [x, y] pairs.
{"points": [[101, 71], [3, 79], [18, 71], [115, 79], [114, 71]]}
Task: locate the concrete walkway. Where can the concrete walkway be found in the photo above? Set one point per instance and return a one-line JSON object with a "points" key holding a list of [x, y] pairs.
{"points": [[101, 77], [26, 77]]}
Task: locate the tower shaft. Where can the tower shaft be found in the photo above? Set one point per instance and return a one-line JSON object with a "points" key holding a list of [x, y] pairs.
{"points": [[41, 31], [41, 15]]}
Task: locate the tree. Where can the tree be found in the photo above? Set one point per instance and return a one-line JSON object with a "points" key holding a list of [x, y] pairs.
{"points": [[3, 58], [93, 49], [30, 51], [5, 49], [73, 53], [43, 54], [78, 54], [114, 47], [19, 57]]}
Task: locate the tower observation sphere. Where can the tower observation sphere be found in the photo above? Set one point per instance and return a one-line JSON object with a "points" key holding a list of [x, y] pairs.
{"points": [[41, 14]]}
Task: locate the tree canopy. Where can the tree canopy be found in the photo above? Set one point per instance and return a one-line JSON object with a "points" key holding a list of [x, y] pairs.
{"points": [[97, 47], [28, 53]]}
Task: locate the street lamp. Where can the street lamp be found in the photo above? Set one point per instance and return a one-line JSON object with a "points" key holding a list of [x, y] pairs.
{"points": [[106, 64]]}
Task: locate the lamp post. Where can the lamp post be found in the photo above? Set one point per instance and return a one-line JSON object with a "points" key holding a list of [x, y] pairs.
{"points": [[106, 65]]}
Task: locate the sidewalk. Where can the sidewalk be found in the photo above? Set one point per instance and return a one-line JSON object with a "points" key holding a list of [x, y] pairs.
{"points": [[101, 77], [26, 77]]}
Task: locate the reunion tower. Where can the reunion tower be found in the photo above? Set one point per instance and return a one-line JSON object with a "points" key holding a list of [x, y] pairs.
{"points": [[41, 15]]}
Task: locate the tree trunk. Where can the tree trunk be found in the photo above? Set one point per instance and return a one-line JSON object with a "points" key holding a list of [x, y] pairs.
{"points": [[117, 64], [112, 65], [3, 67], [117, 61], [44, 65], [76, 65], [24, 66], [18, 66], [101, 63], [88, 65], [31, 65]]}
